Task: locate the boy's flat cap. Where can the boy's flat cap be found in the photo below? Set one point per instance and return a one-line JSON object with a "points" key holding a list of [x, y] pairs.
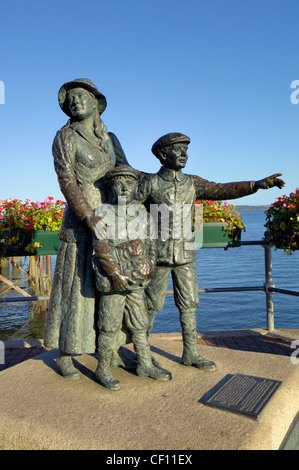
{"points": [[121, 171], [169, 139]]}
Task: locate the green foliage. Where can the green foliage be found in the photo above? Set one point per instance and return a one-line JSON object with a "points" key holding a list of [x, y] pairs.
{"points": [[282, 223]]}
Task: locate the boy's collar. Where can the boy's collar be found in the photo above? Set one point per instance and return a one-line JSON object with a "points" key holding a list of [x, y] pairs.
{"points": [[116, 207], [171, 175]]}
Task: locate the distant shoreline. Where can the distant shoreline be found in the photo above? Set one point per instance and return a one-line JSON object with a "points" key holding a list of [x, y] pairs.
{"points": [[252, 208]]}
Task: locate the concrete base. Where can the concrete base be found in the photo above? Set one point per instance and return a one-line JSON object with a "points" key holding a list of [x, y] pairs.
{"points": [[42, 410]]}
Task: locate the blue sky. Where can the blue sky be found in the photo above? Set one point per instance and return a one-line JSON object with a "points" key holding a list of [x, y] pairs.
{"points": [[219, 71]]}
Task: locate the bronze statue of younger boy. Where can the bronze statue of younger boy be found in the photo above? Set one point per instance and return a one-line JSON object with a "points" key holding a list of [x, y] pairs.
{"points": [[124, 262]]}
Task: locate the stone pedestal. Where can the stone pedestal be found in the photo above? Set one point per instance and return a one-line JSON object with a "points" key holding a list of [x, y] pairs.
{"points": [[42, 410]]}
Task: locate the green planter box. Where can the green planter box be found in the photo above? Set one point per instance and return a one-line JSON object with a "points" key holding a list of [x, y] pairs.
{"points": [[48, 240], [214, 236]]}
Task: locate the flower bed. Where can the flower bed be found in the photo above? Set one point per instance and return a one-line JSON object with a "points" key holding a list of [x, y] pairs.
{"points": [[20, 222], [282, 223]]}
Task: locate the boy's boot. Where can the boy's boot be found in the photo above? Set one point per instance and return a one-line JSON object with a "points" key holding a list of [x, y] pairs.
{"points": [[103, 372], [145, 367]]}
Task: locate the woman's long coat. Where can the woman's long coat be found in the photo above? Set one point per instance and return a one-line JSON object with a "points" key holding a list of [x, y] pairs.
{"points": [[80, 163]]}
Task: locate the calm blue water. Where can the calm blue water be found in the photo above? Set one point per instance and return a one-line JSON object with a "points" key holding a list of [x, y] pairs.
{"points": [[239, 267], [236, 267]]}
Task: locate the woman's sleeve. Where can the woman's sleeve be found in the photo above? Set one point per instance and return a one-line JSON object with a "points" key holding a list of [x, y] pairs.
{"points": [[64, 147]]}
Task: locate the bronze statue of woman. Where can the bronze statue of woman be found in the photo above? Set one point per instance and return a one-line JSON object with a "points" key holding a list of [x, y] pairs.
{"points": [[83, 152]]}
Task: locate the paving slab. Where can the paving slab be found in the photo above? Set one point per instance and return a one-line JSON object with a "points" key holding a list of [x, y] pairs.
{"points": [[42, 410]]}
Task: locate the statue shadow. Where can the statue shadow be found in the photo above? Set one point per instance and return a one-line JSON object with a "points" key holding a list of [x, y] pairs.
{"points": [[49, 359], [169, 356], [129, 355], [86, 371]]}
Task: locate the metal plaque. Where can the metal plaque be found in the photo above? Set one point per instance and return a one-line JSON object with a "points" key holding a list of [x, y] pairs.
{"points": [[244, 394]]}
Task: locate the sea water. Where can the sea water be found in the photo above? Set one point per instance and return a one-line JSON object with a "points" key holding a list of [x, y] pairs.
{"points": [[236, 267], [239, 267]]}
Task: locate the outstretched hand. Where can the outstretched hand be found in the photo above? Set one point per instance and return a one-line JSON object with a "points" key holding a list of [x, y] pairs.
{"points": [[270, 182]]}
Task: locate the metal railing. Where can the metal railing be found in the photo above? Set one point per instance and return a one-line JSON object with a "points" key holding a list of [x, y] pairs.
{"points": [[268, 287]]}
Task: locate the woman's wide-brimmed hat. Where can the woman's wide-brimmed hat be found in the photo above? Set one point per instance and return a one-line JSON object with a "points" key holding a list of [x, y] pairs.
{"points": [[80, 83]]}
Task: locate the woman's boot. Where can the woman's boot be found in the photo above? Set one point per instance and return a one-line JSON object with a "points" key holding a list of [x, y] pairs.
{"points": [[65, 365]]}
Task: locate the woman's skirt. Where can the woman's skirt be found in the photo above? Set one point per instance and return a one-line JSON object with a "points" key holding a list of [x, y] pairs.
{"points": [[72, 316]]}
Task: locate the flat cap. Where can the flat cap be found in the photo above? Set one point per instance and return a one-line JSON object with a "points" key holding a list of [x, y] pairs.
{"points": [[169, 139], [121, 171]]}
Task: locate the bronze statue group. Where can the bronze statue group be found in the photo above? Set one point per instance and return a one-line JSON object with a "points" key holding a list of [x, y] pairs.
{"points": [[110, 282]]}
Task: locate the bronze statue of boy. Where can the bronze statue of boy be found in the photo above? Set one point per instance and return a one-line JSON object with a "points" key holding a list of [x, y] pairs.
{"points": [[170, 186], [124, 262]]}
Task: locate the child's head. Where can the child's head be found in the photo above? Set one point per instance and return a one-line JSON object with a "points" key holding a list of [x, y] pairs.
{"points": [[123, 182], [171, 150]]}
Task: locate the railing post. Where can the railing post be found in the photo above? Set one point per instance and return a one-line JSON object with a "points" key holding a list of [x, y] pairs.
{"points": [[269, 283]]}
